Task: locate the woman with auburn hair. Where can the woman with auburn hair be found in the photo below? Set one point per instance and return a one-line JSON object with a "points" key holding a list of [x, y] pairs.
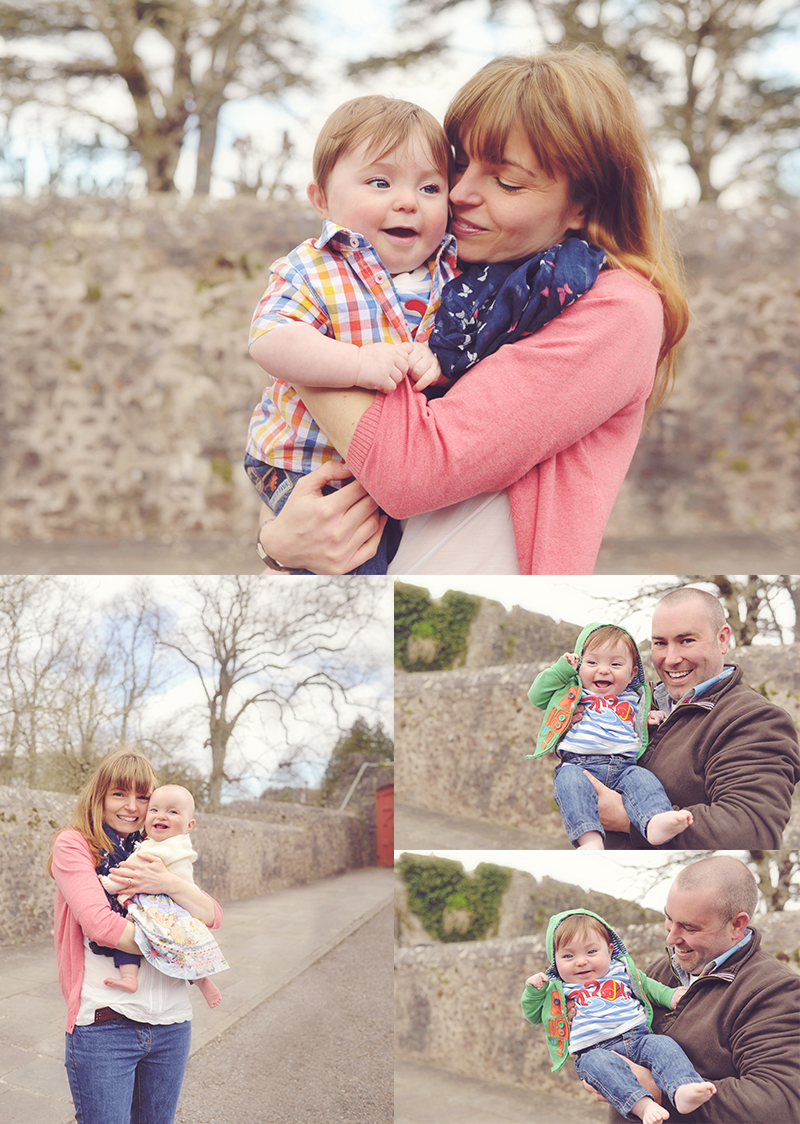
{"points": [[516, 468], [126, 1052]]}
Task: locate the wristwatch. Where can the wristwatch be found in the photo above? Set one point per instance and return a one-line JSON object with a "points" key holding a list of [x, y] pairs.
{"points": [[265, 558]]}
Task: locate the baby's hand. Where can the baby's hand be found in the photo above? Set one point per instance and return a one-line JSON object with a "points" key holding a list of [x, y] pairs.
{"points": [[538, 981], [572, 659], [113, 885], [656, 717], [679, 994], [423, 368], [381, 366]]}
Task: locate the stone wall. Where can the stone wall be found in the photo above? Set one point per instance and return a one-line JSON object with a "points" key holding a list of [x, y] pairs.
{"points": [[127, 385], [527, 904], [458, 1005], [237, 857], [362, 803], [461, 739]]}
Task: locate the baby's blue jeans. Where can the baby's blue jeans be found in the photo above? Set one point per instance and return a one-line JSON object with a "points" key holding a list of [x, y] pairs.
{"points": [[642, 795], [612, 1076]]}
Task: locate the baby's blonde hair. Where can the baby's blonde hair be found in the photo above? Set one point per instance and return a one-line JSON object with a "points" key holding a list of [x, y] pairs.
{"points": [[579, 925], [610, 634], [581, 120], [386, 123]]}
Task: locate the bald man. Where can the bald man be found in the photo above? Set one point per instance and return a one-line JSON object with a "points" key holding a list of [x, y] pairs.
{"points": [[724, 752], [739, 1022]]}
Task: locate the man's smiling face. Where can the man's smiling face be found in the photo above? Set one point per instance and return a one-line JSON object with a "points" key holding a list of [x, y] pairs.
{"points": [[686, 649]]}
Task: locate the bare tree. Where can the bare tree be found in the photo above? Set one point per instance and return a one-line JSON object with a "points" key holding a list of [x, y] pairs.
{"points": [[273, 649], [691, 62], [752, 602], [776, 872], [36, 622], [79, 56]]}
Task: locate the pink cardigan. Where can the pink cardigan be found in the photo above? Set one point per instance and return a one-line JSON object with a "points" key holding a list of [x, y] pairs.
{"points": [[554, 418], [82, 909]]}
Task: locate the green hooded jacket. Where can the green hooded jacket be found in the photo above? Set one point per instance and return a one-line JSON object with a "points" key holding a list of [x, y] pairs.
{"points": [[547, 1005], [557, 691]]}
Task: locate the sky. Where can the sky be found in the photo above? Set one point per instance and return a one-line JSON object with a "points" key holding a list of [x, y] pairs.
{"points": [[635, 876], [259, 743], [576, 600], [344, 32]]}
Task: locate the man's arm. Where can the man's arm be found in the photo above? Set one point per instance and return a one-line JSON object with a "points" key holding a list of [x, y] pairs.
{"points": [[734, 768]]}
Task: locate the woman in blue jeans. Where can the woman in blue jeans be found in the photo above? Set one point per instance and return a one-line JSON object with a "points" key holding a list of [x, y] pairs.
{"points": [[126, 1053]]}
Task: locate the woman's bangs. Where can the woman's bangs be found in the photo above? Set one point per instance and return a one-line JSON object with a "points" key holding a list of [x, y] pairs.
{"points": [[132, 774]]}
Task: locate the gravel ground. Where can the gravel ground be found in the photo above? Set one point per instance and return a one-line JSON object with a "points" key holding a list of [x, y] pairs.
{"points": [[320, 1051]]}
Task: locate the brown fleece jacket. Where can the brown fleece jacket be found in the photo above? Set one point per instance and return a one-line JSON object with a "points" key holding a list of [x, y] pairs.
{"points": [[732, 758], [742, 1033]]}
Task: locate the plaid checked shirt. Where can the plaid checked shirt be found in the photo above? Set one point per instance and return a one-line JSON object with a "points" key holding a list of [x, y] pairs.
{"points": [[338, 284]]}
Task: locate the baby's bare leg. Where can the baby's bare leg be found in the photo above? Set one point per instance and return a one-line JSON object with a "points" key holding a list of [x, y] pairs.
{"points": [[127, 980], [209, 991], [590, 841], [649, 1112], [666, 825], [690, 1096]]}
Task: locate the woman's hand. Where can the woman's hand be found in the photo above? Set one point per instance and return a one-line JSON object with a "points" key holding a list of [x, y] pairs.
{"points": [[147, 875], [329, 534], [154, 878], [610, 808]]}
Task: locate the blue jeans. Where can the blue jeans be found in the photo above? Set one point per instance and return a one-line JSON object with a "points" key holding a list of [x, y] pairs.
{"points": [[275, 485], [642, 795], [124, 1072], [612, 1076]]}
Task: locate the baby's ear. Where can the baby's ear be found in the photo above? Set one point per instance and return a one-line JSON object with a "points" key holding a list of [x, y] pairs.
{"points": [[317, 199]]}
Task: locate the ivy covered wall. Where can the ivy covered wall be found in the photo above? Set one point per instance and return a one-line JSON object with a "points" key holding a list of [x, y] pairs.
{"points": [[451, 904]]}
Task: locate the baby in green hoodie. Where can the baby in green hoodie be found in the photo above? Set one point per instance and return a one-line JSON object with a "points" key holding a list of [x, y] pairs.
{"points": [[590, 966], [605, 677]]}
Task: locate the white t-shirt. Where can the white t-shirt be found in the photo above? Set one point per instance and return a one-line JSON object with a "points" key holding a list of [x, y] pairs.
{"points": [[475, 536], [159, 999]]}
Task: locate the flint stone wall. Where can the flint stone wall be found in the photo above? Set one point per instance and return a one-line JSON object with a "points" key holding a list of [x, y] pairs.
{"points": [[237, 857], [128, 388], [461, 739], [458, 1005]]}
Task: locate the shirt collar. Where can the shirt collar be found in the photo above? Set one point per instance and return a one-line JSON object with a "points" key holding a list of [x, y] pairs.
{"points": [[666, 702]]}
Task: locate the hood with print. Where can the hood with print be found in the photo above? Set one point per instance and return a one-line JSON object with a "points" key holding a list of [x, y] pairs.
{"points": [[557, 691], [547, 1005]]}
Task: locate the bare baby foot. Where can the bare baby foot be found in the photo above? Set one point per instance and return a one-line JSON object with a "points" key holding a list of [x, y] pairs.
{"points": [[126, 984], [590, 841], [210, 992], [666, 825], [649, 1112], [691, 1096]]}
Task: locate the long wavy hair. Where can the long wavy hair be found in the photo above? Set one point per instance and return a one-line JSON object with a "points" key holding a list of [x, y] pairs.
{"points": [[126, 770], [581, 120]]}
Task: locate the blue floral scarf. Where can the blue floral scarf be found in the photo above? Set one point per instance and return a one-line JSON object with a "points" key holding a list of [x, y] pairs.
{"points": [[123, 849], [492, 304]]}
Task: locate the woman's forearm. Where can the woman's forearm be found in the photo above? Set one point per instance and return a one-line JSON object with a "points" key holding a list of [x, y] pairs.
{"points": [[336, 412], [193, 899], [126, 942]]}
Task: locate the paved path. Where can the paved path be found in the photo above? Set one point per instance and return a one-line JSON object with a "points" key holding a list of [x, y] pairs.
{"points": [[417, 828], [723, 553], [269, 942], [424, 1094], [319, 1051]]}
